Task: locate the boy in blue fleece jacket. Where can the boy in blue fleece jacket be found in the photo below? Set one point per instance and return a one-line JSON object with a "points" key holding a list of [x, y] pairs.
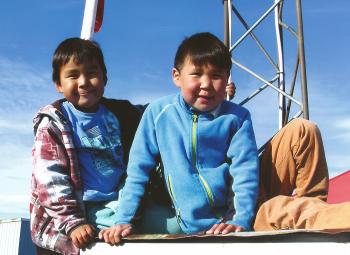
{"points": [[206, 145]]}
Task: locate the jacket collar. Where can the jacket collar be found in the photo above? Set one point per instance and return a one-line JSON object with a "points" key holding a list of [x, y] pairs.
{"points": [[191, 110]]}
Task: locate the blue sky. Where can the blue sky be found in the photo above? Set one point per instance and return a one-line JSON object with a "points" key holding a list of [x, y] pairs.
{"points": [[139, 39]]}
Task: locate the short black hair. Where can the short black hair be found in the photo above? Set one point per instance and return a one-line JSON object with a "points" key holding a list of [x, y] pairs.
{"points": [[81, 50], [203, 48]]}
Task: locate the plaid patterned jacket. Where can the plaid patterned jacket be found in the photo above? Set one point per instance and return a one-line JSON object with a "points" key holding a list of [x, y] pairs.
{"points": [[56, 205]]}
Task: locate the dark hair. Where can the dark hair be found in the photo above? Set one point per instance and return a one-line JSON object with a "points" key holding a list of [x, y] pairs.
{"points": [[202, 49], [81, 50]]}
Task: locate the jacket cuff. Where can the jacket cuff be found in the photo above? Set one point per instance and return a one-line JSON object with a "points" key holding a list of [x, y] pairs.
{"points": [[240, 223], [73, 225]]}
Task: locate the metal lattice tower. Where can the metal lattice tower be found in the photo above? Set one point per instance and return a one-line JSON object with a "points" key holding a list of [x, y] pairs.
{"points": [[278, 82]]}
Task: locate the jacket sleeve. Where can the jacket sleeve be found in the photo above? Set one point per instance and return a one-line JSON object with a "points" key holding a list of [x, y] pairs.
{"points": [[53, 184], [142, 159], [245, 172]]}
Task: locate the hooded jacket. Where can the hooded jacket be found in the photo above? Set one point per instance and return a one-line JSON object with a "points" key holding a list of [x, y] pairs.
{"points": [[56, 205]]}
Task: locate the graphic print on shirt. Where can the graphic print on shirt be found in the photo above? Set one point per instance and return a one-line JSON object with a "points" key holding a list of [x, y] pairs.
{"points": [[106, 146]]}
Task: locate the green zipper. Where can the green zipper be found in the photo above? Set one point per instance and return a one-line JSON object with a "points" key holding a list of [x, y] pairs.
{"points": [[194, 163], [194, 140], [172, 195], [171, 189]]}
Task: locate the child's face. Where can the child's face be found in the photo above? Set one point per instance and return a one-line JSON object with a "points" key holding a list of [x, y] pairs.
{"points": [[82, 84], [203, 87]]}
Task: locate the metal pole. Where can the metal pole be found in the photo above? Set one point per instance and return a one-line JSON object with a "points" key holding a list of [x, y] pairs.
{"points": [[291, 92], [226, 24], [227, 32], [245, 24], [281, 82], [301, 51], [256, 24], [266, 82]]}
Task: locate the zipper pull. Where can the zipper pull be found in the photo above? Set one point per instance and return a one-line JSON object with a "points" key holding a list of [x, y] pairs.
{"points": [[195, 117], [178, 217]]}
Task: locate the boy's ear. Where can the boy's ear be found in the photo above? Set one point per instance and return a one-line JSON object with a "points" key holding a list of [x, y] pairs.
{"points": [[59, 87], [105, 79], [176, 77]]}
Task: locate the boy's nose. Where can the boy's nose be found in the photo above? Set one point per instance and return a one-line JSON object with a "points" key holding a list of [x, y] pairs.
{"points": [[205, 82], [82, 81]]}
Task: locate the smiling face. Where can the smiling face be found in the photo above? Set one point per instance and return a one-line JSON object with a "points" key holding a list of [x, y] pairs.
{"points": [[81, 84], [203, 87]]}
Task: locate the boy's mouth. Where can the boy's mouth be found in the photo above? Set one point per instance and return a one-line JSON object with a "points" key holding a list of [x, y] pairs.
{"points": [[205, 97], [85, 92]]}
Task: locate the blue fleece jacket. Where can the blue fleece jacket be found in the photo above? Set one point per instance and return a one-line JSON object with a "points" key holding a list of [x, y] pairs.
{"points": [[210, 163]]}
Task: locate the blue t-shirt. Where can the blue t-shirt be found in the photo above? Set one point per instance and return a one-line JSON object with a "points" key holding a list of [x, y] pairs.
{"points": [[97, 140]]}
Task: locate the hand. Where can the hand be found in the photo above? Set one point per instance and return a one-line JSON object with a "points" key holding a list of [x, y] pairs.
{"points": [[82, 235], [231, 90], [114, 234], [224, 228]]}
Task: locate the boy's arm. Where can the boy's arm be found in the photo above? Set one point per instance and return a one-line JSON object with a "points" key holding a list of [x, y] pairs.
{"points": [[142, 159], [52, 183], [244, 170]]}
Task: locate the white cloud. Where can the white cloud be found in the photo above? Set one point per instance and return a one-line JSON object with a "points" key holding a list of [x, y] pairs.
{"points": [[337, 163], [15, 155], [344, 137], [342, 130], [15, 189], [151, 76], [23, 89], [327, 10], [17, 126], [18, 73], [329, 108], [343, 123], [14, 206], [14, 198]]}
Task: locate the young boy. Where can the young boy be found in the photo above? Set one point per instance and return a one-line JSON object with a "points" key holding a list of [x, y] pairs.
{"points": [[206, 145], [80, 152]]}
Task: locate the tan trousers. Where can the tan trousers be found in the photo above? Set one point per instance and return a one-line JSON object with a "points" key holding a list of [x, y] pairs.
{"points": [[294, 183]]}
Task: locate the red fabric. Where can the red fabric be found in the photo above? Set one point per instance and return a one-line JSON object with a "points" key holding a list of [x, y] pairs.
{"points": [[99, 16], [339, 188]]}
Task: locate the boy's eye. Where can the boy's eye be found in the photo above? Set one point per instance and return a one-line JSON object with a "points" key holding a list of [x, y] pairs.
{"points": [[93, 72], [72, 75], [217, 76]]}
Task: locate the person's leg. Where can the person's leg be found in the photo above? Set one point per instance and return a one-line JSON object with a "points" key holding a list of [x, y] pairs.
{"points": [[294, 163], [101, 214], [286, 212], [154, 218], [157, 219], [293, 168]]}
